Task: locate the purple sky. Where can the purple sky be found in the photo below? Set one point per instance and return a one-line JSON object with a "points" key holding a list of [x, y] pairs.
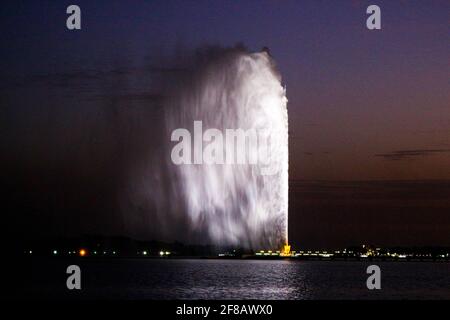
{"points": [[363, 105], [359, 101]]}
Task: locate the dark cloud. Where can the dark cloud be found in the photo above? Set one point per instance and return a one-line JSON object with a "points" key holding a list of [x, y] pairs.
{"points": [[74, 79], [138, 96], [411, 154]]}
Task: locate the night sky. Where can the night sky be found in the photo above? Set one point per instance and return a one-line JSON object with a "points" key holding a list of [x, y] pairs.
{"points": [[369, 111]]}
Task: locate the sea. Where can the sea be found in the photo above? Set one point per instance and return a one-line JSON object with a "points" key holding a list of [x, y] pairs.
{"points": [[166, 279]]}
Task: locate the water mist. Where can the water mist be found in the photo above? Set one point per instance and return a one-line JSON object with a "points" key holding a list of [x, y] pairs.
{"points": [[240, 204]]}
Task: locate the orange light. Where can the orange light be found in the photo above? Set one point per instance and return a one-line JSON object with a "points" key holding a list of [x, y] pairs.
{"points": [[82, 253], [286, 250]]}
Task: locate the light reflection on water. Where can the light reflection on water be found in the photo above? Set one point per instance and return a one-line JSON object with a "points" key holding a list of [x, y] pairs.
{"points": [[246, 279]]}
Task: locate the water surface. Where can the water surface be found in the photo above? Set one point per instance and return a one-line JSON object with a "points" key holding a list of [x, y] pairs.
{"points": [[236, 279]]}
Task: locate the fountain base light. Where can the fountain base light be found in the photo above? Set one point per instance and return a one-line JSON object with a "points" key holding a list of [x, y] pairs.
{"points": [[286, 251]]}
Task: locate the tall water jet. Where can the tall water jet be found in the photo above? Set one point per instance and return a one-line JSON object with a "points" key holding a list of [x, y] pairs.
{"points": [[242, 203]]}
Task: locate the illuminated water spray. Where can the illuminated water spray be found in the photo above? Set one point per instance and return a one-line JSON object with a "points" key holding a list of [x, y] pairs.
{"points": [[244, 204]]}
